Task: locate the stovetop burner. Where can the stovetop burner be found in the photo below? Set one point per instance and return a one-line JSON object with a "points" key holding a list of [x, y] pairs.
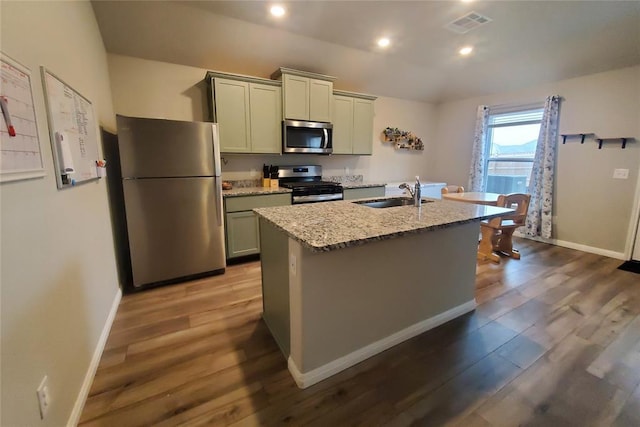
{"points": [[307, 185]]}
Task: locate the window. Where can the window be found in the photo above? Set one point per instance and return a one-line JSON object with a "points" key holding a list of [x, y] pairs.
{"points": [[511, 146]]}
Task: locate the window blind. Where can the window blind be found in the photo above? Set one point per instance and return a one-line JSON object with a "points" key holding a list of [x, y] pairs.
{"points": [[515, 117]]}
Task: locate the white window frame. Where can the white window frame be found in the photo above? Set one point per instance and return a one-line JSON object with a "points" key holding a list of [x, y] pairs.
{"points": [[489, 140]]}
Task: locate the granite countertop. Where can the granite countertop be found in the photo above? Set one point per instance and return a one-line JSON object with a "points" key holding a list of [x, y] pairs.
{"points": [[350, 185], [328, 226], [253, 191]]}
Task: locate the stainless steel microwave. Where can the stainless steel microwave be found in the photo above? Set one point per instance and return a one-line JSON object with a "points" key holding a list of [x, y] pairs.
{"points": [[299, 136]]}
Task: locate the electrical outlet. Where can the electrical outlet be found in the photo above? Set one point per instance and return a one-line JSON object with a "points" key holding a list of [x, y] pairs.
{"points": [[44, 399], [621, 173]]}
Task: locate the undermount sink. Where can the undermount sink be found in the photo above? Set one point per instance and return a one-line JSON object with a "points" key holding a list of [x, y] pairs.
{"points": [[389, 203]]}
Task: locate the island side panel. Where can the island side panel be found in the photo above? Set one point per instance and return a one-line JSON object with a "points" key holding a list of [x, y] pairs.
{"points": [[359, 296], [275, 283]]}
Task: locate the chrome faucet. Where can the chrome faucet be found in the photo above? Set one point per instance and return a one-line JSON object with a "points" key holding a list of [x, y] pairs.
{"points": [[415, 193]]}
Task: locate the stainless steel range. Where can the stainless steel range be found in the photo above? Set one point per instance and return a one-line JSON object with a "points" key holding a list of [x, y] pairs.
{"points": [[307, 184]]}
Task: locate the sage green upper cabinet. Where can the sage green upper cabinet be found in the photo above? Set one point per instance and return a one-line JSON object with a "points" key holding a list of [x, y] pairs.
{"points": [[362, 126], [266, 118], [352, 123], [296, 97], [232, 115], [248, 111], [342, 124], [320, 100], [306, 96]]}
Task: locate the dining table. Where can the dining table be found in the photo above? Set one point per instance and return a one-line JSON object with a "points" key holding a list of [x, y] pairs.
{"points": [[485, 247]]}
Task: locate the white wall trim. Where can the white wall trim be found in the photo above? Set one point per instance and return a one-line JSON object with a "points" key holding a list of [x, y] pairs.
{"points": [[74, 418], [634, 226], [306, 379], [576, 246]]}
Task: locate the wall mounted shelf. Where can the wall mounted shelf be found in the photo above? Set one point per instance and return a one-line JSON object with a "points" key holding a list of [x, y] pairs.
{"points": [[402, 139], [599, 140], [572, 135], [621, 139]]}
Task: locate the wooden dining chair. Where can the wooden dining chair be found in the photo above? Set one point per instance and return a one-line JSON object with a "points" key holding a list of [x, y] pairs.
{"points": [[452, 189], [503, 227]]}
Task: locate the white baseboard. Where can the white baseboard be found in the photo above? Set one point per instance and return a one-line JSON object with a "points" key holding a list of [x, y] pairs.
{"points": [[93, 365], [306, 379], [576, 246]]}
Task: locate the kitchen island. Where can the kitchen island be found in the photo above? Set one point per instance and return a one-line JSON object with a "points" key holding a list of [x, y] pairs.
{"points": [[343, 281]]}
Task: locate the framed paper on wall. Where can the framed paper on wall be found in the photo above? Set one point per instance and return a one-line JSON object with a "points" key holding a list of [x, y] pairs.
{"points": [[20, 153], [73, 132]]}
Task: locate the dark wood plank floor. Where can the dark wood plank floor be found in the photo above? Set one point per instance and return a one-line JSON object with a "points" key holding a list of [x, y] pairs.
{"points": [[555, 341]]}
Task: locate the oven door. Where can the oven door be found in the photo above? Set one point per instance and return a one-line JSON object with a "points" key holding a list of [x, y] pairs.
{"points": [[306, 137]]}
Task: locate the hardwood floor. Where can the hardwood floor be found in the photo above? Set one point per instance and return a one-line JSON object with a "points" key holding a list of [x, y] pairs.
{"points": [[555, 341]]}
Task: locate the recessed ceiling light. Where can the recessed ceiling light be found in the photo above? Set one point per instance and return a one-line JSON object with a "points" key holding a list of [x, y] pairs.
{"points": [[467, 1], [277, 10], [466, 50], [384, 42]]}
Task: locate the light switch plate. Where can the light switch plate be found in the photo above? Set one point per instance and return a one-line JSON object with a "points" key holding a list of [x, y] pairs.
{"points": [[621, 173]]}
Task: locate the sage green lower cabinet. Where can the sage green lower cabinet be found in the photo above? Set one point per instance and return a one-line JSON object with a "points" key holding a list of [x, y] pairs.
{"points": [[241, 224], [352, 123], [243, 234], [363, 193]]}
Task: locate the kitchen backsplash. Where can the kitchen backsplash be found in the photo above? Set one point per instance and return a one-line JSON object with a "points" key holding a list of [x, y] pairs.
{"points": [[246, 183], [344, 178]]}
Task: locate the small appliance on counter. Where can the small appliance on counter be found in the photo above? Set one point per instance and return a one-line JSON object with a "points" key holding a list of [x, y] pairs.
{"points": [[307, 185], [166, 200]]}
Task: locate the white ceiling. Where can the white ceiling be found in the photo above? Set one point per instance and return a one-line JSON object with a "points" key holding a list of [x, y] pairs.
{"points": [[527, 43]]}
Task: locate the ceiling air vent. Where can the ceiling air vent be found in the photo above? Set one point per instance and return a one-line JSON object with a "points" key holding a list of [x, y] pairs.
{"points": [[468, 22]]}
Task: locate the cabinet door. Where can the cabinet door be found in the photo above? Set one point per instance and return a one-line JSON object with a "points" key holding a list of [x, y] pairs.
{"points": [[266, 118], [362, 126], [363, 193], [296, 97], [342, 125], [243, 234], [232, 115], [320, 100]]}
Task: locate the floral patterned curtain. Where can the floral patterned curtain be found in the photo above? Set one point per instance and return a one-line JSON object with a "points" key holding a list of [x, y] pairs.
{"points": [[476, 174], [538, 222]]}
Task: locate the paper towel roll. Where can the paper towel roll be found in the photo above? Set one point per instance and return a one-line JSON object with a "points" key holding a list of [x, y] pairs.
{"points": [[65, 160]]}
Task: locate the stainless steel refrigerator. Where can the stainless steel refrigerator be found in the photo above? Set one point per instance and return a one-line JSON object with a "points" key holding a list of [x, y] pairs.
{"points": [[172, 194]]}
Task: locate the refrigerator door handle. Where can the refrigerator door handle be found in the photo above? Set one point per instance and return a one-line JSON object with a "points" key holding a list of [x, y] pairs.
{"points": [[218, 196], [215, 135]]}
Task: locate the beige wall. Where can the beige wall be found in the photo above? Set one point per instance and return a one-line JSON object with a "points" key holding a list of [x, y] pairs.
{"points": [[58, 268], [158, 89], [592, 208]]}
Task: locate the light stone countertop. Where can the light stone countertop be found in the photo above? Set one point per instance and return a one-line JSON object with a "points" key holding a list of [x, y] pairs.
{"points": [[323, 227], [351, 185], [257, 191], [253, 191]]}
